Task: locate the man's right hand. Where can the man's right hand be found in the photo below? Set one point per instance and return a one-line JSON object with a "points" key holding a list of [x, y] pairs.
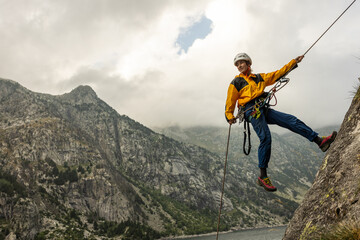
{"points": [[299, 58], [232, 121]]}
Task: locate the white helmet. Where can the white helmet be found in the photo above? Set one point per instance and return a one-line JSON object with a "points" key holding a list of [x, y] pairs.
{"points": [[242, 56]]}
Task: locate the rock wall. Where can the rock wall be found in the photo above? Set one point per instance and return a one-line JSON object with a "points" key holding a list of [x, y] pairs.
{"points": [[334, 197]]}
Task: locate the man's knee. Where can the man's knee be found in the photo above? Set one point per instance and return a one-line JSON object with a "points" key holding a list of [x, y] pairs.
{"points": [[265, 138]]}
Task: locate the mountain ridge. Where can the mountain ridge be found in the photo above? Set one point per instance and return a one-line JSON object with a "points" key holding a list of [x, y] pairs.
{"points": [[93, 172]]}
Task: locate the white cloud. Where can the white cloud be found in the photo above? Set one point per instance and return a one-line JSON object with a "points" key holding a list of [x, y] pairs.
{"points": [[126, 50]]}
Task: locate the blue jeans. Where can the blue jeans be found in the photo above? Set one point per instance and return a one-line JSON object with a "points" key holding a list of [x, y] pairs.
{"points": [[262, 130]]}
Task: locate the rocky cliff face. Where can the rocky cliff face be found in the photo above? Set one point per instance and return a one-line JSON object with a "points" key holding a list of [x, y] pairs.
{"points": [[59, 165], [331, 207]]}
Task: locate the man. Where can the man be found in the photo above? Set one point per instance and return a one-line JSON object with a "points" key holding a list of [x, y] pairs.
{"points": [[245, 90]]}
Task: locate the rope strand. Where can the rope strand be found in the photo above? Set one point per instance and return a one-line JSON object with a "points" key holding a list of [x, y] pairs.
{"points": [[223, 182], [329, 27]]}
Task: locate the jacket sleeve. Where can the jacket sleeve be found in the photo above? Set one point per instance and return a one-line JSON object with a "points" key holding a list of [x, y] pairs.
{"points": [[271, 78], [232, 97]]}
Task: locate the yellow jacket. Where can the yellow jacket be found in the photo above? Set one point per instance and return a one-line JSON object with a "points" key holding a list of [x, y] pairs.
{"points": [[245, 88]]}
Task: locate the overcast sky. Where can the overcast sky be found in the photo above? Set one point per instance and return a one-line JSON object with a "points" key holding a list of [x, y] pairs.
{"points": [[167, 62]]}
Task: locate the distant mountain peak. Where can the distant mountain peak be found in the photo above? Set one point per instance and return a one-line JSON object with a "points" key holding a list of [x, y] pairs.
{"points": [[83, 89], [81, 94]]}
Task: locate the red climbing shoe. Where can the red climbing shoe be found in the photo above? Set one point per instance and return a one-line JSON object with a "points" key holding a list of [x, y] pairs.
{"points": [[266, 184], [326, 142]]}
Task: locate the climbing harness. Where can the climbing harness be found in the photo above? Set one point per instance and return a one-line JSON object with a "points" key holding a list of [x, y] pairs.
{"points": [[261, 102], [240, 115]]}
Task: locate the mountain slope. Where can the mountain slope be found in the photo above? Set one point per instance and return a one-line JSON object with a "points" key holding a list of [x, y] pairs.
{"points": [[294, 160], [72, 167], [61, 167]]}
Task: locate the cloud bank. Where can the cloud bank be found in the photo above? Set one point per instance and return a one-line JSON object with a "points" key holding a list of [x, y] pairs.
{"points": [[127, 51]]}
